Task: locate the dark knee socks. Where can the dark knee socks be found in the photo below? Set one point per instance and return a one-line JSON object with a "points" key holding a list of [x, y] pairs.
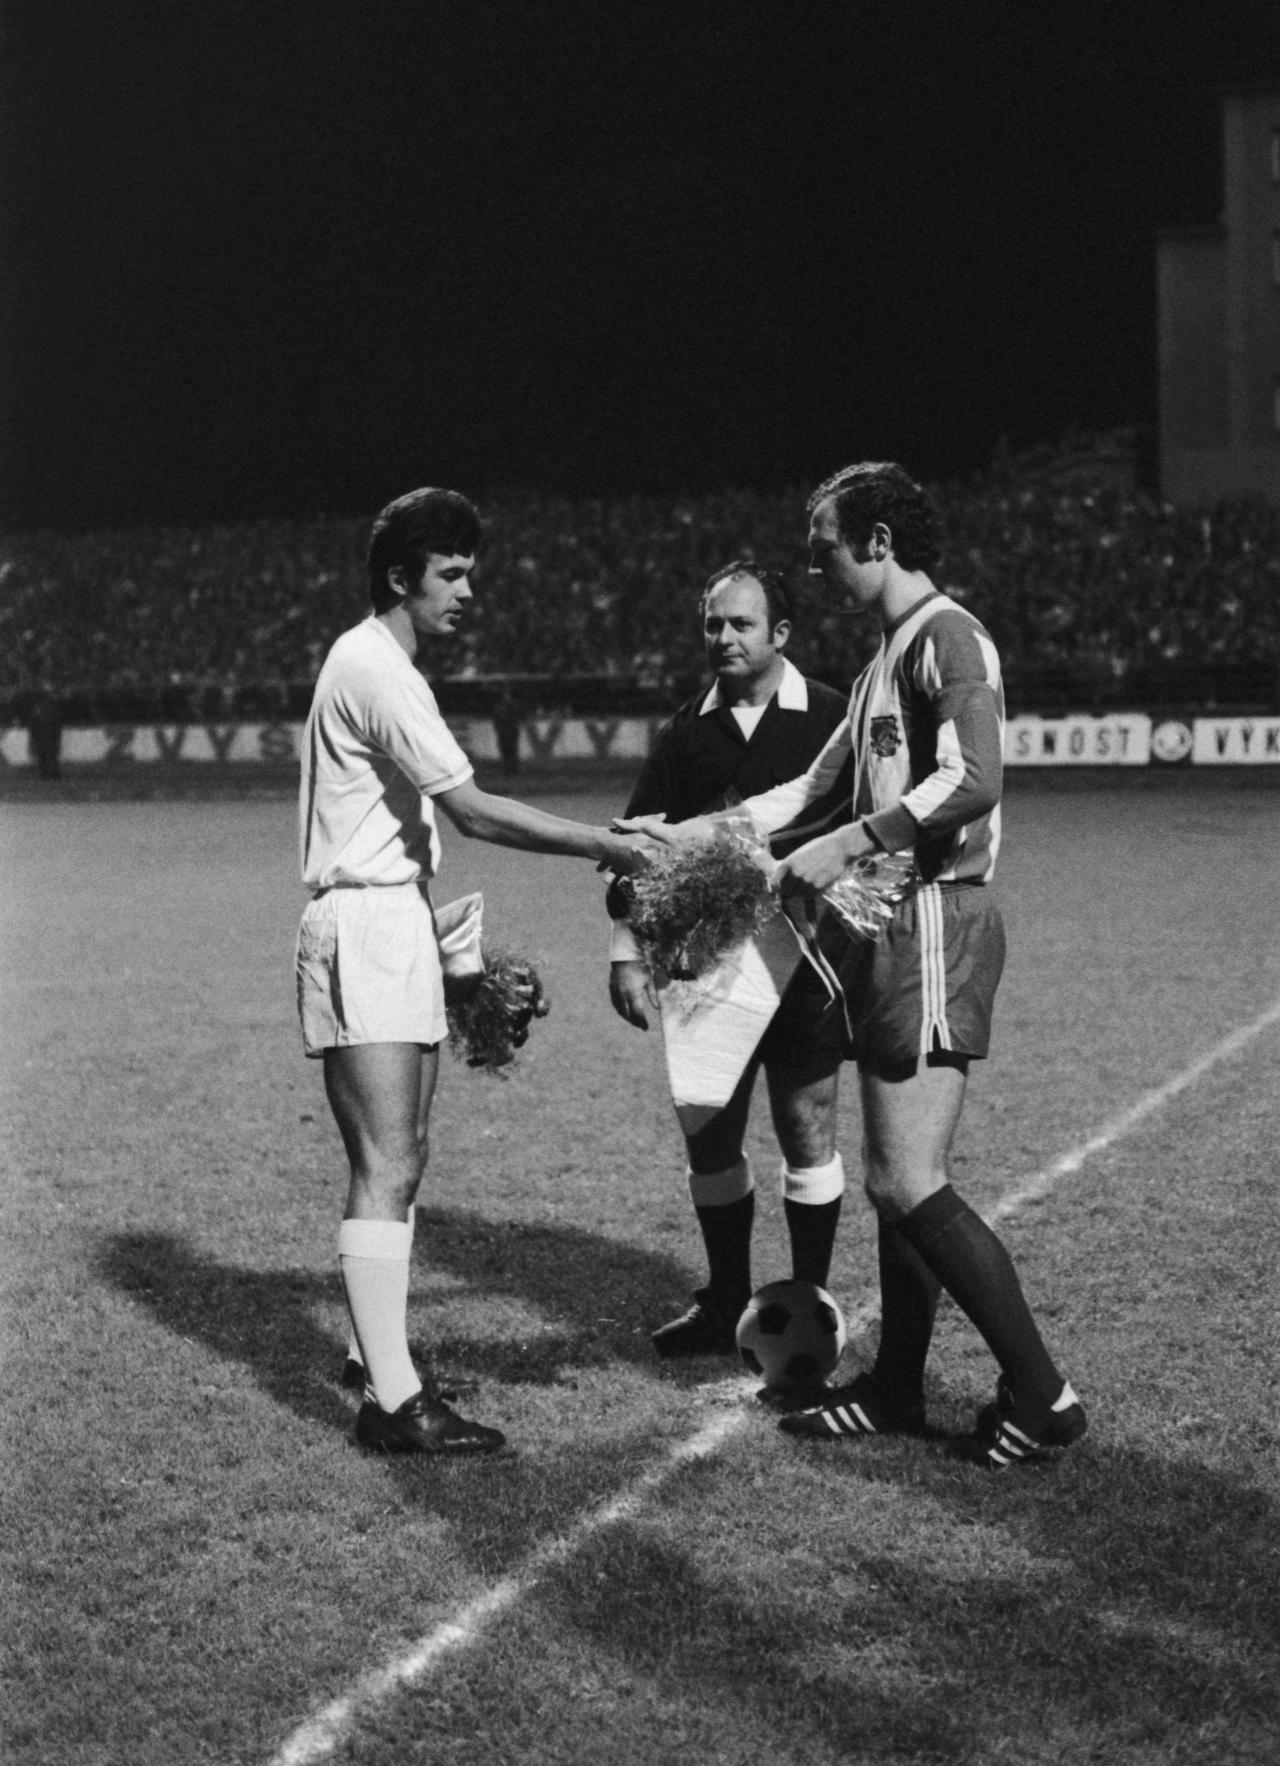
{"points": [[908, 1304], [726, 1233], [967, 1258]]}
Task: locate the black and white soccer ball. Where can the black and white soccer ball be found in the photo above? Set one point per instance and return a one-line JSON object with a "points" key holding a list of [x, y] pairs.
{"points": [[791, 1334]]}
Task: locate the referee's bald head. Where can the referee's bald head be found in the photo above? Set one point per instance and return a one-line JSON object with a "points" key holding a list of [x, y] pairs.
{"points": [[778, 596]]}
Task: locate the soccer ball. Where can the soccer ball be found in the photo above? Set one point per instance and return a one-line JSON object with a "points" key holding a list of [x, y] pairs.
{"points": [[791, 1334]]}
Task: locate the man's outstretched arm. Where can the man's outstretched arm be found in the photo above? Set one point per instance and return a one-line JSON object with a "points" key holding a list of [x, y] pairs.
{"points": [[504, 821]]}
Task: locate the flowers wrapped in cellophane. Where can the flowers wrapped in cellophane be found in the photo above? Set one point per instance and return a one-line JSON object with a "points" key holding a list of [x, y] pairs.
{"points": [[869, 889]]}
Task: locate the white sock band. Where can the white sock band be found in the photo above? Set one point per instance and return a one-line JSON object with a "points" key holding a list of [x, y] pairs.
{"points": [[716, 1189], [388, 1240], [813, 1183]]}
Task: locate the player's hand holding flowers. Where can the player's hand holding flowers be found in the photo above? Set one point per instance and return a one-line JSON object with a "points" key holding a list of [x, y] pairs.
{"points": [[489, 1015], [711, 884], [851, 874], [817, 864]]}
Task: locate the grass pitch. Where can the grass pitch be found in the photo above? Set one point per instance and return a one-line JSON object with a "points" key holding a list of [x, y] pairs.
{"points": [[198, 1561]]}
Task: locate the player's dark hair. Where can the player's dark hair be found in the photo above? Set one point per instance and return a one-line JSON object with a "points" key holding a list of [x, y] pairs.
{"points": [[410, 529], [878, 490], [777, 590]]}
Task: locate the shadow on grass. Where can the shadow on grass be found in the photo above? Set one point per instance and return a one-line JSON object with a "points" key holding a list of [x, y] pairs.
{"points": [[262, 1319], [592, 1293], [1146, 1618], [598, 1298], [266, 1321], [1121, 1598], [601, 1297]]}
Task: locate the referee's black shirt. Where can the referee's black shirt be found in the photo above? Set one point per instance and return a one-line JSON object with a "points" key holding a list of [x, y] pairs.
{"points": [[701, 760]]}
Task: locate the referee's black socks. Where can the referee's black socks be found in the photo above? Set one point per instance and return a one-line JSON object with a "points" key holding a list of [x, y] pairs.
{"points": [[811, 1228], [726, 1235], [811, 1198]]}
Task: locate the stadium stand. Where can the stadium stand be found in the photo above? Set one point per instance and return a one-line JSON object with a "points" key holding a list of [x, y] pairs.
{"points": [[1098, 596]]}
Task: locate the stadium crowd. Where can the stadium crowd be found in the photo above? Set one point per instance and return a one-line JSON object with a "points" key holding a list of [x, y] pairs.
{"points": [[1092, 590]]}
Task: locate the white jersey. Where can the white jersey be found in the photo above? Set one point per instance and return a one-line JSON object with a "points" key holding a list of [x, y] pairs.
{"points": [[374, 751]]}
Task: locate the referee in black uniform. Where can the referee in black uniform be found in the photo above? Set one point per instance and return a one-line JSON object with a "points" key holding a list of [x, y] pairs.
{"points": [[760, 723]]}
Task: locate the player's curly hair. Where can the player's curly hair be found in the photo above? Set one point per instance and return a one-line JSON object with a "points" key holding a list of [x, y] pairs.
{"points": [[879, 490], [409, 529], [777, 590]]}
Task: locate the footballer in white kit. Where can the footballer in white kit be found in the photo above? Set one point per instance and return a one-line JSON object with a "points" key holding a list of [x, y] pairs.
{"points": [[377, 760]]}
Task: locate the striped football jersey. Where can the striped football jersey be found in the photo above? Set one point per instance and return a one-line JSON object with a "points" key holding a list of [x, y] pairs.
{"points": [[926, 730]]}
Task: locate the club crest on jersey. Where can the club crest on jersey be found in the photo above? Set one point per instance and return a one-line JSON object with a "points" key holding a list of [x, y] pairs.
{"points": [[886, 738]]}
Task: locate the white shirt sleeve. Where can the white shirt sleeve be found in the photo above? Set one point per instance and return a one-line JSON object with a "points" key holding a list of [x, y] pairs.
{"points": [[398, 713], [776, 809], [622, 943]]}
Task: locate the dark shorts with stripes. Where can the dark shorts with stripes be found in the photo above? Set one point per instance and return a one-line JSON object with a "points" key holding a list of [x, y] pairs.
{"points": [[927, 985]]}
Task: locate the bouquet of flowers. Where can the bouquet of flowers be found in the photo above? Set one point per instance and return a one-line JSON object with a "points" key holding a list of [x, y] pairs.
{"points": [[491, 996], [490, 1012], [695, 903], [698, 902]]}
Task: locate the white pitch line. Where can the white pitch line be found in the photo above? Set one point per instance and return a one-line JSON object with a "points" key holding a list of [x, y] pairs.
{"points": [[320, 1735], [1119, 1126], [317, 1738]]}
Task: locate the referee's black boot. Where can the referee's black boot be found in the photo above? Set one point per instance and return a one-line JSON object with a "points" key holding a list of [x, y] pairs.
{"points": [[707, 1328]]}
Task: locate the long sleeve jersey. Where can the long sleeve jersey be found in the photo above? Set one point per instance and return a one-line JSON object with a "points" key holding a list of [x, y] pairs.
{"points": [[925, 730]]}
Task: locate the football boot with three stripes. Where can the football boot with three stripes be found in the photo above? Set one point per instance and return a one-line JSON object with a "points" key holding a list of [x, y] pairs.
{"points": [[1005, 1436], [861, 1408]]}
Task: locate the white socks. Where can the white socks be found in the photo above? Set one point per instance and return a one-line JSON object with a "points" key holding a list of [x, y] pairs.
{"points": [[353, 1342], [374, 1255], [814, 1184], [716, 1189]]}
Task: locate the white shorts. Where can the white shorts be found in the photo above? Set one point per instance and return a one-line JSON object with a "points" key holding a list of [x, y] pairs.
{"points": [[368, 969]]}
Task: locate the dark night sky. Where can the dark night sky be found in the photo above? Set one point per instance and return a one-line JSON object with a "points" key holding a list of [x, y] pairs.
{"points": [[268, 257]]}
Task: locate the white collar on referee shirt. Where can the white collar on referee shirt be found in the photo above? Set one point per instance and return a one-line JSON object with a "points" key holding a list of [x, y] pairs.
{"points": [[792, 694]]}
